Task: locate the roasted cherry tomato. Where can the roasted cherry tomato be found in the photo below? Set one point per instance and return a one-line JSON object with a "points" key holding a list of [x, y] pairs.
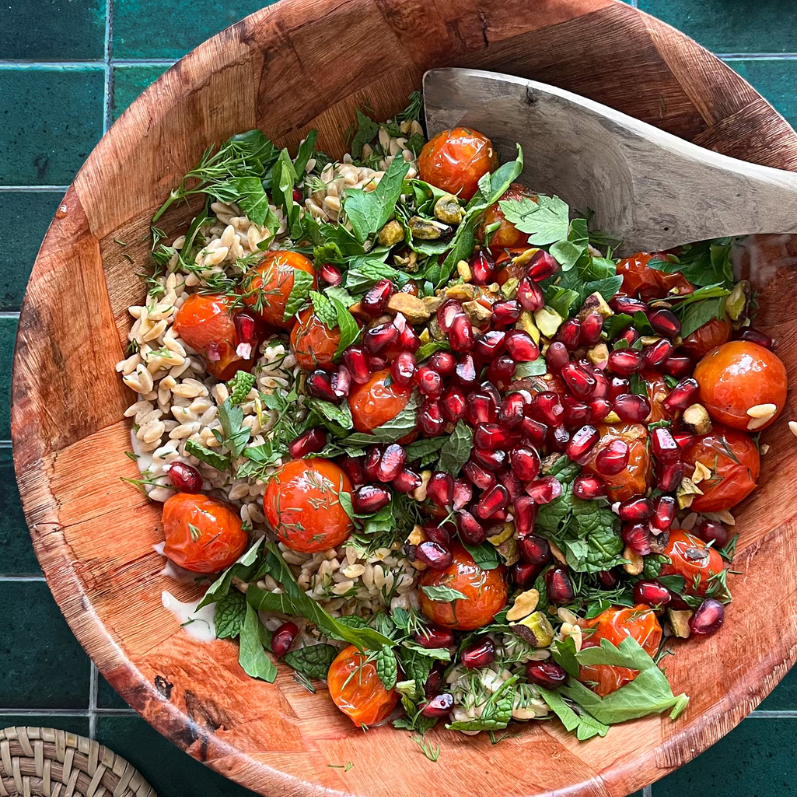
{"points": [[375, 403], [649, 283], [455, 160], [507, 236], [268, 285], [705, 338], [313, 342], [614, 625], [303, 507], [206, 324], [485, 593], [690, 558], [634, 480], [657, 392], [356, 690], [734, 462], [203, 534], [740, 376]]}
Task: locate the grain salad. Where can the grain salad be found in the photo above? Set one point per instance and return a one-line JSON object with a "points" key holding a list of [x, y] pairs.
{"points": [[429, 442]]}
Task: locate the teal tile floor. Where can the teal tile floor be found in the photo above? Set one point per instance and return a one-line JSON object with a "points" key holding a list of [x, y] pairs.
{"points": [[68, 69]]}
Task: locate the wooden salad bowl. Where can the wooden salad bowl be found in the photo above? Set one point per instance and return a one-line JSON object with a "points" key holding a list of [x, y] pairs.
{"points": [[294, 66]]}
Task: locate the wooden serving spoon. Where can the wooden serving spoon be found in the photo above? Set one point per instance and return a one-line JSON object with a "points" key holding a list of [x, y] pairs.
{"points": [[648, 188]]}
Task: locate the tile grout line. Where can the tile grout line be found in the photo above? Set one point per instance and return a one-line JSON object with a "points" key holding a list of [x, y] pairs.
{"points": [[61, 189], [772, 715], [21, 577], [647, 791], [66, 712], [757, 56], [108, 93], [92, 64], [93, 691], [9, 314]]}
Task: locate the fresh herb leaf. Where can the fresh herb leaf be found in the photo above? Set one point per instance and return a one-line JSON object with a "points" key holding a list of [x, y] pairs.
{"points": [[425, 447], [339, 414], [568, 252], [252, 656], [497, 711], [230, 614], [349, 330], [242, 568], [304, 153], [251, 198], [456, 449], [206, 455], [484, 555], [302, 285], [283, 179], [312, 660], [615, 324], [439, 654], [585, 726], [428, 349], [369, 211], [366, 131], [432, 753], [239, 386], [236, 435], [392, 430], [387, 667], [443, 594], [546, 221], [367, 273], [536, 367], [324, 310], [705, 263]]}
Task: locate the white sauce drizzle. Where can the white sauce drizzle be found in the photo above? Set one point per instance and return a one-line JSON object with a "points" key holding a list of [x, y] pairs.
{"points": [[200, 624]]}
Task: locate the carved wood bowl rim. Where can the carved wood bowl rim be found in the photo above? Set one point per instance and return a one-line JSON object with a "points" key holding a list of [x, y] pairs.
{"points": [[45, 453]]}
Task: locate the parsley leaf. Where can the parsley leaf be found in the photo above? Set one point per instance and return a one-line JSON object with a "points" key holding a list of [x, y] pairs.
{"points": [[369, 211], [207, 455], [546, 221], [236, 435], [585, 726]]}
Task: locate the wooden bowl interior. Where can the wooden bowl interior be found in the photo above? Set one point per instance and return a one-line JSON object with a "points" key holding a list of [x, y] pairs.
{"points": [[287, 69]]}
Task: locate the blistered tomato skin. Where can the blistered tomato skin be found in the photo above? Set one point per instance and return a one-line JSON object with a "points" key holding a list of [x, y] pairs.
{"points": [[313, 343], [507, 236], [456, 159], [356, 690], [738, 376], [635, 479], [657, 391], [268, 286], [203, 534], [614, 625], [374, 403], [644, 282], [485, 593], [302, 505], [705, 338], [734, 462], [691, 559]]}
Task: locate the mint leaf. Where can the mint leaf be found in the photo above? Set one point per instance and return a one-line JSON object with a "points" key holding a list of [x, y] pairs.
{"points": [[546, 221], [388, 432], [536, 367], [705, 263], [206, 455], [439, 654], [230, 614], [387, 667], [252, 656], [324, 310], [369, 211], [339, 414], [312, 661], [456, 449], [302, 284], [239, 386], [423, 448], [496, 714], [484, 555], [349, 330], [304, 153], [242, 568], [366, 274], [443, 594]]}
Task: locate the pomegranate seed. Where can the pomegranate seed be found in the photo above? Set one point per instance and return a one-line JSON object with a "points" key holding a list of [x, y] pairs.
{"points": [[559, 586], [391, 463], [354, 469], [521, 346], [380, 337], [443, 362], [297, 196], [497, 497], [440, 489], [544, 490], [482, 267], [407, 481], [438, 534], [578, 380], [626, 361], [510, 413], [657, 353], [434, 683], [546, 674], [478, 476], [403, 368], [429, 382], [678, 365], [447, 312], [637, 537], [755, 336], [628, 305], [501, 370], [557, 356], [340, 382], [684, 440], [481, 408], [318, 385], [533, 431], [330, 273], [505, 312], [601, 384], [665, 323], [282, 639], [613, 459], [591, 328], [470, 530], [434, 636], [663, 514], [492, 436], [453, 404], [438, 706], [465, 371], [664, 447], [569, 334], [409, 341], [525, 513], [245, 329], [513, 485], [463, 493], [354, 358], [535, 550], [310, 442], [492, 460], [461, 334], [490, 345], [630, 336], [547, 408], [635, 510], [708, 618], [632, 408], [541, 267], [651, 593], [478, 654], [369, 499], [525, 574], [682, 395], [712, 531], [530, 295], [599, 408], [375, 300], [525, 462], [376, 363], [618, 386], [581, 444], [434, 555], [187, 479], [430, 418], [669, 475], [559, 437], [371, 464], [608, 579], [588, 486]]}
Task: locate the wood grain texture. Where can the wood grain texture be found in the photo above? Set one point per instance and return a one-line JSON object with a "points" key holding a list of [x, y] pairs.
{"points": [[309, 63]]}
